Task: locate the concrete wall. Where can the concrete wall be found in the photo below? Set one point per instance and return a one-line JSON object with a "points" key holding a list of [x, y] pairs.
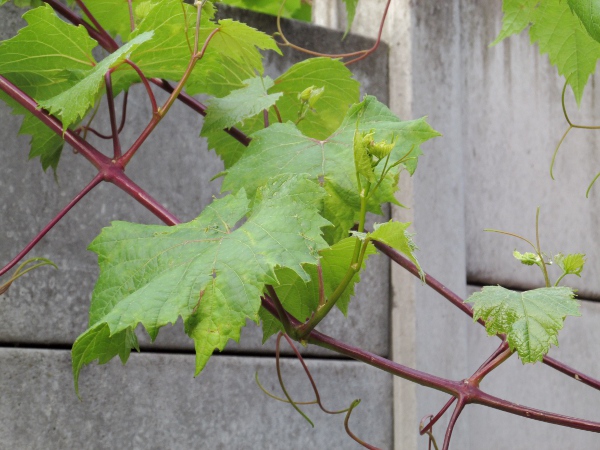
{"points": [[500, 112], [154, 402]]}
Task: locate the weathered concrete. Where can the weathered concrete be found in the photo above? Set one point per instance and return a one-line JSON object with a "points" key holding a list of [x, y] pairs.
{"points": [[538, 386], [55, 307], [513, 122], [154, 403]]}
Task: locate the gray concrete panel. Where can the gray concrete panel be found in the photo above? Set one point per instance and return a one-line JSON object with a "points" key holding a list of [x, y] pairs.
{"points": [[538, 386], [50, 307], [155, 403], [513, 122]]}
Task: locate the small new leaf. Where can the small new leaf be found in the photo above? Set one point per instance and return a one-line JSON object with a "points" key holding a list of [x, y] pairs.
{"points": [[395, 235], [527, 258], [571, 264], [531, 320]]}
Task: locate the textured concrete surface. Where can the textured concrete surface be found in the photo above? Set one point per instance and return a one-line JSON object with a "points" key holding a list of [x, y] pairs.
{"points": [[538, 386], [155, 403], [513, 122], [50, 307]]}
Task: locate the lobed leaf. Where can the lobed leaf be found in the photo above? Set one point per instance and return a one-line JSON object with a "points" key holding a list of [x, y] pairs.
{"points": [[74, 103], [283, 149], [206, 271], [588, 12], [531, 320], [570, 48], [240, 104], [518, 14], [395, 235]]}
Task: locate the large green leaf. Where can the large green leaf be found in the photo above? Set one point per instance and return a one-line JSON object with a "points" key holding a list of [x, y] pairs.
{"points": [[319, 122], [240, 104], [74, 103], [588, 12], [283, 149], [44, 59], [295, 9], [531, 320], [562, 35], [207, 271], [518, 14]]}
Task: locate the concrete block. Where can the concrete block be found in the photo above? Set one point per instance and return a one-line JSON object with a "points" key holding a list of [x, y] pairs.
{"points": [[538, 386], [513, 122], [50, 307], [155, 403]]}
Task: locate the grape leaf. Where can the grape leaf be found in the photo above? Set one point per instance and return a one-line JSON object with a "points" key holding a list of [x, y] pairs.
{"points": [[588, 12], [45, 58], [113, 15], [531, 320], [395, 235], [340, 91], [517, 15], [295, 9], [206, 271], [571, 264], [240, 104], [350, 13], [74, 103], [301, 299], [282, 148], [561, 34]]}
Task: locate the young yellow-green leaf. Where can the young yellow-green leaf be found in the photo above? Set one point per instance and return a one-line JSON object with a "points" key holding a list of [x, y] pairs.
{"points": [[531, 320], [527, 258], [571, 264], [283, 149], [362, 159], [561, 34], [206, 271], [74, 103], [301, 299], [588, 12], [517, 16], [240, 104], [395, 235]]}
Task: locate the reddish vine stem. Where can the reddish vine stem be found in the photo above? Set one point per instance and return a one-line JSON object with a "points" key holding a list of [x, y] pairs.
{"points": [[283, 316], [455, 414], [146, 83], [468, 391], [96, 24], [113, 116], [95, 181], [350, 433], [459, 303], [438, 416], [378, 41]]}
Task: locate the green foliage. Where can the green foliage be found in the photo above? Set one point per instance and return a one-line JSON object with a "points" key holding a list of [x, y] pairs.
{"points": [[240, 104], [283, 149], [588, 12], [318, 120], [295, 9], [74, 103], [531, 320], [395, 235], [350, 13], [210, 271], [569, 43]]}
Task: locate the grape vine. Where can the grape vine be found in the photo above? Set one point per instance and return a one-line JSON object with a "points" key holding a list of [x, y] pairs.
{"points": [[305, 160]]}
